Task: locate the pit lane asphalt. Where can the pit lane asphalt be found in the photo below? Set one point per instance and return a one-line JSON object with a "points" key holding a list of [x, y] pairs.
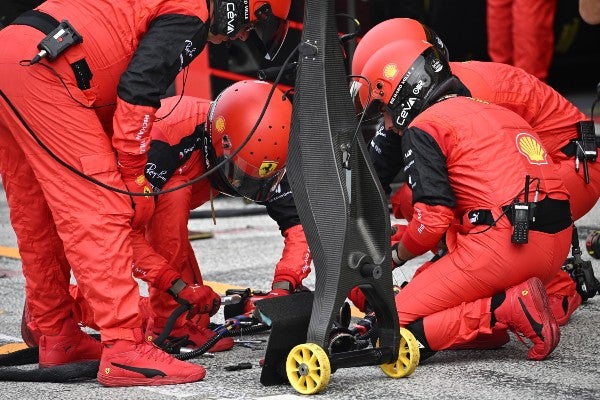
{"points": [[243, 253]]}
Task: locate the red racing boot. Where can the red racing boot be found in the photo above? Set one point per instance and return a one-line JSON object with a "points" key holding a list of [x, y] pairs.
{"points": [[29, 332], [197, 336], [70, 345], [134, 363], [563, 306], [526, 312]]}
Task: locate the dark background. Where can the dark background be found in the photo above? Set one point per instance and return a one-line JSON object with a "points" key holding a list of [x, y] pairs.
{"points": [[460, 23]]}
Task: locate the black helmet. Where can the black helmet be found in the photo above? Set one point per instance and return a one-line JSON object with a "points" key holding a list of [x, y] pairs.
{"points": [[268, 18], [406, 76]]}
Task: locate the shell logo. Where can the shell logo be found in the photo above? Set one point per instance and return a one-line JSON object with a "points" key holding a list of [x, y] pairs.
{"points": [[140, 180], [390, 71], [266, 168], [531, 148], [220, 124]]}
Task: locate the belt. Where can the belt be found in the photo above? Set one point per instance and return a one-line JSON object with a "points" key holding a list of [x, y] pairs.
{"points": [[551, 216], [46, 23], [569, 149]]}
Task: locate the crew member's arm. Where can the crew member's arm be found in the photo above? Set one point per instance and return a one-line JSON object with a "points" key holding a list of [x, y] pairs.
{"points": [[433, 197], [385, 150], [296, 258], [170, 44]]}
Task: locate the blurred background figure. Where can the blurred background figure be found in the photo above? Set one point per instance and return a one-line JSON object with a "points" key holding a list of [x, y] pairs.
{"points": [[521, 33]]}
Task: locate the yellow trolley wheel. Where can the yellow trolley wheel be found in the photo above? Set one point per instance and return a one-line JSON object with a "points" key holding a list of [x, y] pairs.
{"points": [[408, 356], [308, 368]]}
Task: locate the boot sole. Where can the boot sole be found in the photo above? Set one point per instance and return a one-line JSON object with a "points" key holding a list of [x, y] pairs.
{"points": [[572, 305], [59, 363], [551, 331], [115, 381]]}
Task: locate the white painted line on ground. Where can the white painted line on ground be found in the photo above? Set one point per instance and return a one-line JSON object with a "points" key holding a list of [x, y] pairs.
{"points": [[181, 392], [178, 391], [10, 338]]}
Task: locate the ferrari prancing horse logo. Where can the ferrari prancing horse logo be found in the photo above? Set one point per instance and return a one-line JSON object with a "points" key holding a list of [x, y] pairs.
{"points": [[266, 168]]}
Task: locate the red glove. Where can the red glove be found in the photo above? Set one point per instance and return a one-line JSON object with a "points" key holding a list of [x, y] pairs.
{"points": [[357, 297], [296, 258], [132, 172], [200, 299]]}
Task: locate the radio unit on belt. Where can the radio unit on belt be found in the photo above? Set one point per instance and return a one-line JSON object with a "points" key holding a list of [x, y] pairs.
{"points": [[586, 147], [57, 41], [522, 213]]}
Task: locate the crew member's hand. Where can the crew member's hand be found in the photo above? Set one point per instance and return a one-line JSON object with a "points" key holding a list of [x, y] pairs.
{"points": [[200, 299], [397, 232], [132, 172]]}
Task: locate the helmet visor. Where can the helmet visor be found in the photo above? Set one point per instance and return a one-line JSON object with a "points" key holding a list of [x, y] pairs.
{"points": [[412, 93], [271, 31], [257, 184]]}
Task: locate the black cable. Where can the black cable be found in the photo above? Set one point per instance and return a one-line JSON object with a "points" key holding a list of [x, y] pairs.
{"points": [[225, 332], [29, 355], [184, 81], [364, 110], [72, 372], [28, 63], [351, 35]]}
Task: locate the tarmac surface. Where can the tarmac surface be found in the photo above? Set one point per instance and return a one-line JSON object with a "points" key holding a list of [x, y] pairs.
{"points": [[243, 252]]}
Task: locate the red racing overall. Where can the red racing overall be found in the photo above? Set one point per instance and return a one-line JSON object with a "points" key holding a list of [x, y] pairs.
{"points": [[471, 172], [551, 116], [175, 159], [102, 105], [521, 33]]}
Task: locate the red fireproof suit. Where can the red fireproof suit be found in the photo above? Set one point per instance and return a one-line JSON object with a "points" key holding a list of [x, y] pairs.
{"points": [[464, 159], [521, 33], [95, 100], [551, 116], [175, 158]]}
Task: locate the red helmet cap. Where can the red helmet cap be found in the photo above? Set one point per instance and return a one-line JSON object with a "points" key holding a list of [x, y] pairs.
{"points": [[403, 76], [389, 31], [257, 168]]}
